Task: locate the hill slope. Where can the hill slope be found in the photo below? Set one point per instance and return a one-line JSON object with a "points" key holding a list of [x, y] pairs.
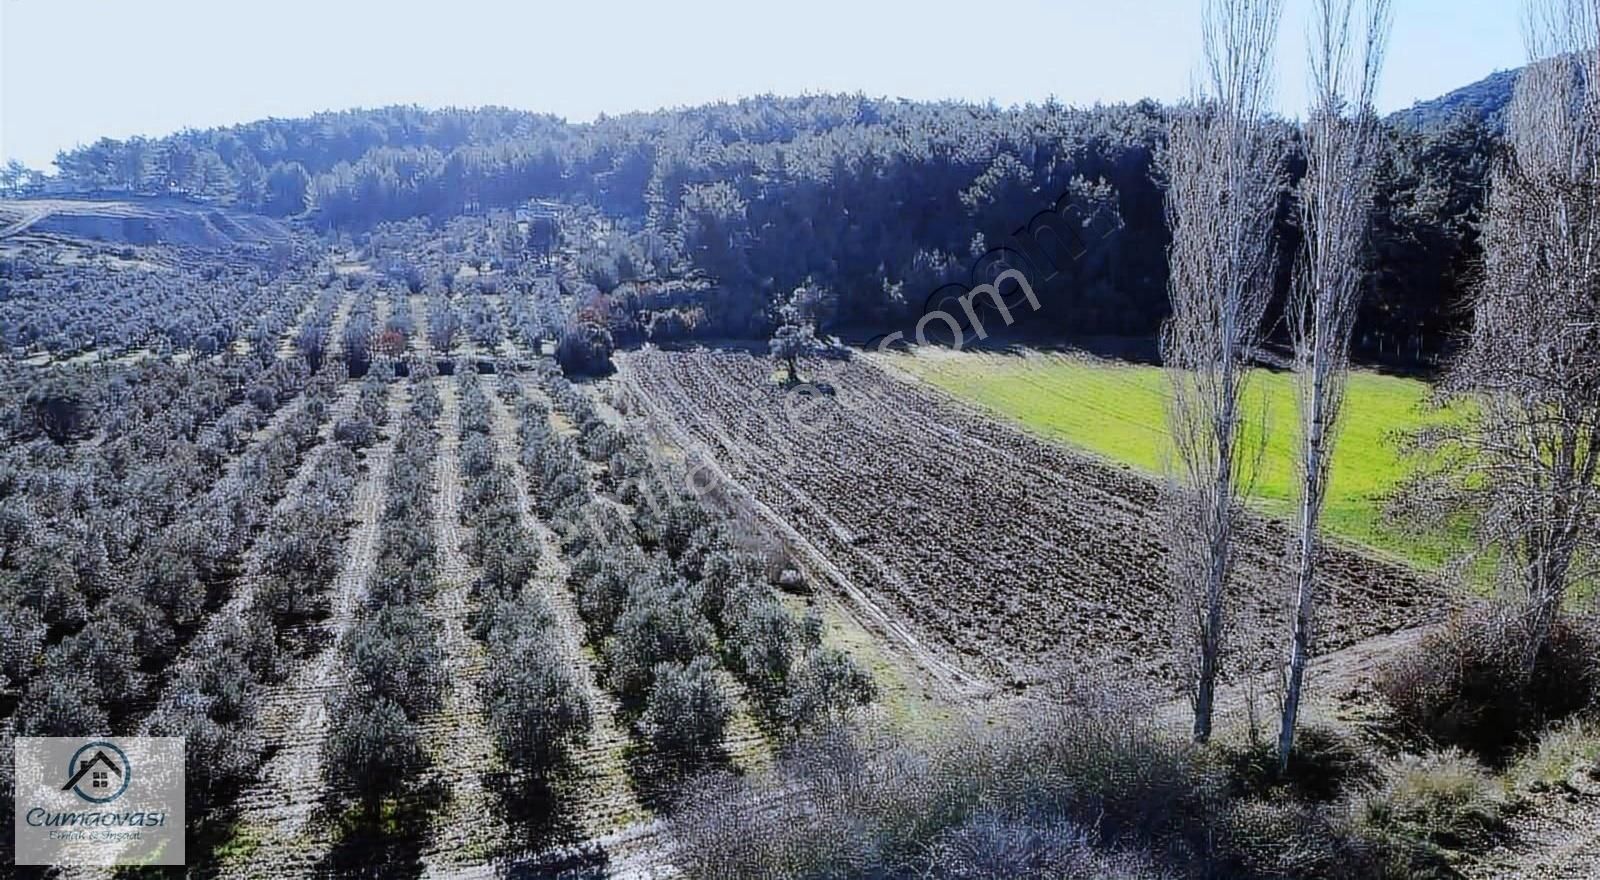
{"points": [[139, 222], [1485, 99]]}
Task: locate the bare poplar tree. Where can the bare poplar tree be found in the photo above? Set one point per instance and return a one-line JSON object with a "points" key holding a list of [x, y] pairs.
{"points": [[1335, 199], [1221, 167], [1531, 367]]}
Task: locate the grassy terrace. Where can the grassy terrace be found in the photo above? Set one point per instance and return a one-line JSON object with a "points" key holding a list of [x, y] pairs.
{"points": [[1118, 412]]}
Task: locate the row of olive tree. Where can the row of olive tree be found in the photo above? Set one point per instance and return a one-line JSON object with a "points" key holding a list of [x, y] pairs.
{"points": [[393, 661], [707, 572], [175, 301], [536, 708], [147, 555]]}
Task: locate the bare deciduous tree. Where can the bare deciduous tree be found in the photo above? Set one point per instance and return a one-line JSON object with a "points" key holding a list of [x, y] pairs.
{"points": [[1531, 367], [1222, 175], [1335, 199]]}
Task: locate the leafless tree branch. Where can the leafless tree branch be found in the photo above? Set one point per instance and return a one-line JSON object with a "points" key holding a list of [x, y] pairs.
{"points": [[1222, 172], [1335, 199]]}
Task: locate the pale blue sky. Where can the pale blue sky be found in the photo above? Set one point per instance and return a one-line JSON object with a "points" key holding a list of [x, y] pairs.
{"points": [[74, 70]]}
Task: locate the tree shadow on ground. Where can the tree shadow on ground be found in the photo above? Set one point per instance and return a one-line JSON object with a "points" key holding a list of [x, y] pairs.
{"points": [[384, 843], [658, 778], [538, 816]]}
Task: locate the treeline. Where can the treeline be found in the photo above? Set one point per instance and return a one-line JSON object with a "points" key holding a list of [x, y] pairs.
{"points": [[881, 202]]}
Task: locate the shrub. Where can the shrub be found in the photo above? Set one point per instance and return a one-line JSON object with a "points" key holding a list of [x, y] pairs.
{"points": [[1444, 799], [1324, 764], [1562, 750], [862, 804], [991, 846], [1466, 685], [687, 711]]}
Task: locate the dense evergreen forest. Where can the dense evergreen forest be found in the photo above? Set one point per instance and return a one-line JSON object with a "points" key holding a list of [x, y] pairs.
{"points": [[873, 204]]}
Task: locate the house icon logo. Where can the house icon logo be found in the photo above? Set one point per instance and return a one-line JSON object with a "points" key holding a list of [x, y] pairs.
{"points": [[98, 773]]}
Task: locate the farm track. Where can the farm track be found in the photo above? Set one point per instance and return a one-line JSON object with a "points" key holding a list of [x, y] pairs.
{"points": [[276, 813], [341, 317], [1043, 557]]}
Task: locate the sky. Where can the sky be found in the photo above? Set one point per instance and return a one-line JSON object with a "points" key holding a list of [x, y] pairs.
{"points": [[72, 71]]}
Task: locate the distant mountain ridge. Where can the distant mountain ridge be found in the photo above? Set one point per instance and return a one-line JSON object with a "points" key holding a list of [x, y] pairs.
{"points": [[1485, 100]]}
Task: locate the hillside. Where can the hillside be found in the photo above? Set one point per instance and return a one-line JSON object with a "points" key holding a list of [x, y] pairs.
{"points": [[1484, 100], [139, 222]]}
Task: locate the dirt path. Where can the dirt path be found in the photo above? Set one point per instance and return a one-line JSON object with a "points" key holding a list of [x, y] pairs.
{"points": [[281, 828]]}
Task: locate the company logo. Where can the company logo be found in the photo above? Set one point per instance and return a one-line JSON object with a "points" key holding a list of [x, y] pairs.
{"points": [[99, 800], [98, 773]]}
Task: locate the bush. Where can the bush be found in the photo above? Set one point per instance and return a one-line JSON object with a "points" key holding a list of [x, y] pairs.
{"points": [[990, 846], [1466, 686], [1445, 799], [860, 804], [1562, 751], [1324, 764], [686, 714]]}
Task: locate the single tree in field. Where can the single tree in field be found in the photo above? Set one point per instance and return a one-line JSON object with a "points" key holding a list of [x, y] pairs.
{"points": [[795, 338], [1335, 199], [1530, 370], [1223, 185]]}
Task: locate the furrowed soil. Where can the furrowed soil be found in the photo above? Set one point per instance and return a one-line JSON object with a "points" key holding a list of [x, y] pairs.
{"points": [[991, 557]]}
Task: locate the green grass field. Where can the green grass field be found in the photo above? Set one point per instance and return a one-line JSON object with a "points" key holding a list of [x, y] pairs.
{"points": [[1118, 411]]}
